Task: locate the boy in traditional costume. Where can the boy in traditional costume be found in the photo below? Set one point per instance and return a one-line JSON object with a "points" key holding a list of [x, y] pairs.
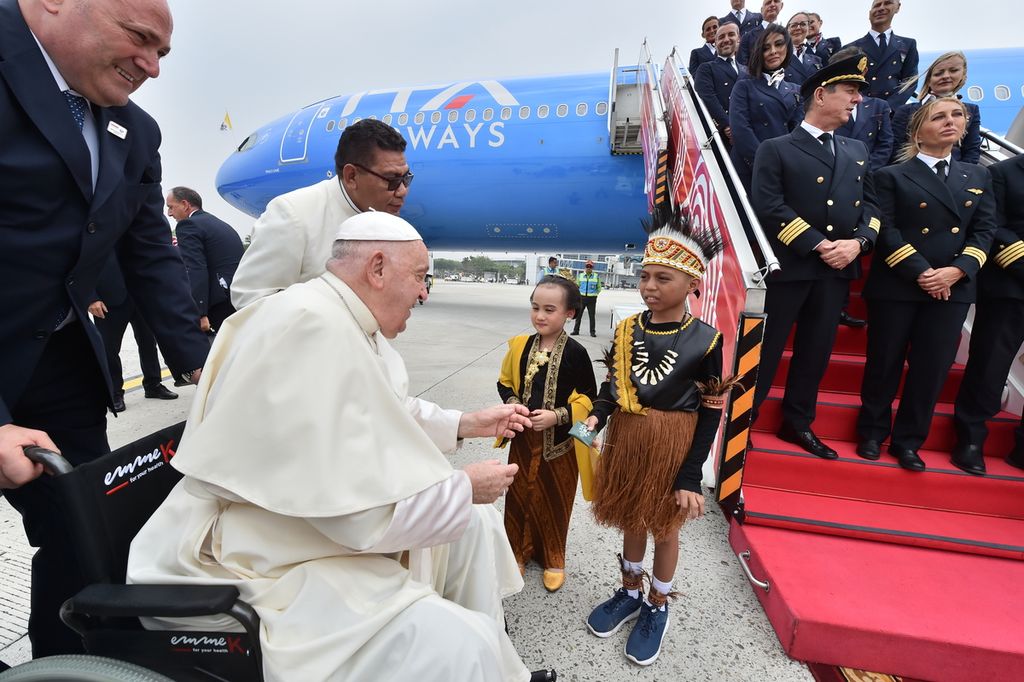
{"points": [[552, 375], [664, 398]]}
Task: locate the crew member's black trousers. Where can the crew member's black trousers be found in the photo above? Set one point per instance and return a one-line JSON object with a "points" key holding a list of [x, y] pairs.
{"points": [[112, 328], [590, 305]]}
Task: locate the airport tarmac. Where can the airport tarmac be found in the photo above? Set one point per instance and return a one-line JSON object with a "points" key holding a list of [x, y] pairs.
{"points": [[453, 347]]}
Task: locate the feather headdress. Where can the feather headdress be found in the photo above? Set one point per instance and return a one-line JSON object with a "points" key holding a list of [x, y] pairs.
{"points": [[673, 242]]}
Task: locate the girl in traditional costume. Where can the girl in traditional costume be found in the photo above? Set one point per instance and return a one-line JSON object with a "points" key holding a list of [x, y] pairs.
{"points": [[552, 375], [663, 399]]}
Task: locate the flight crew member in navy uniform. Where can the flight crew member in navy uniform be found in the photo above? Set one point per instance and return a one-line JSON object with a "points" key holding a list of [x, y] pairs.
{"points": [[706, 52], [81, 174], [823, 47], [770, 10], [803, 62], [763, 105], [740, 16], [938, 220], [211, 250], [892, 59], [998, 330], [812, 193], [716, 79], [944, 78]]}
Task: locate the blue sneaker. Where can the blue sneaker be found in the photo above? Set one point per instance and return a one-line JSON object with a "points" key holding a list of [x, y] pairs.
{"points": [[644, 643], [607, 617]]}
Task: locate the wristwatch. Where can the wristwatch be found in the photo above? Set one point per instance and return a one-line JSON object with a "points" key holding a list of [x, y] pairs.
{"points": [[865, 245]]}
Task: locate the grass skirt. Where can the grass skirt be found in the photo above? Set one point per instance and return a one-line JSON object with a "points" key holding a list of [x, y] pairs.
{"points": [[637, 469]]}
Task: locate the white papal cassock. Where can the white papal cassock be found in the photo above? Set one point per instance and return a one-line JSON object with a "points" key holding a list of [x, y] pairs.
{"points": [[308, 472]]}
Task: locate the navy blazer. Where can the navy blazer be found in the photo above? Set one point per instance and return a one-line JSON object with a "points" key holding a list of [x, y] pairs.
{"points": [[803, 195], [827, 47], [714, 83], [750, 22], [873, 127], [747, 43], [1003, 274], [928, 223], [967, 150], [800, 70], [211, 250], [698, 56], [887, 71], [56, 232], [759, 112], [110, 286]]}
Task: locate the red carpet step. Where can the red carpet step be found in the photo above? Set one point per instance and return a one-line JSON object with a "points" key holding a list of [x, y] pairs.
{"points": [[849, 341]]}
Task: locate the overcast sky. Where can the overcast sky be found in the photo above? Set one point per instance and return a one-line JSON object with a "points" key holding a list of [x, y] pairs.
{"points": [[261, 60]]}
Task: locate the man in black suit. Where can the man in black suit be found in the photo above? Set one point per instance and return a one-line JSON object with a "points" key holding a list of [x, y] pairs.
{"points": [[740, 16], [998, 330], [892, 59], [715, 79], [211, 250], [823, 47], [770, 10], [706, 52], [811, 192], [81, 174]]}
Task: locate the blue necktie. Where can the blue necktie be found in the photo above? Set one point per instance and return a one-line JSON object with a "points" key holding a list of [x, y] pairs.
{"points": [[77, 105]]}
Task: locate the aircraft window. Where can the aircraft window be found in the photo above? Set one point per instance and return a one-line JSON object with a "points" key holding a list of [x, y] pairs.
{"points": [[506, 113], [342, 124], [403, 118], [488, 114], [581, 109], [542, 111], [601, 108], [470, 115], [562, 110], [387, 119], [453, 115], [435, 117], [524, 112], [418, 118], [372, 117], [357, 119], [248, 143], [1002, 93], [330, 125], [975, 93]]}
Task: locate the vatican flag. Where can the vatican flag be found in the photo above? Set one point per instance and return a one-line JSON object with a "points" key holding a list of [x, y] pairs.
{"points": [[226, 123]]}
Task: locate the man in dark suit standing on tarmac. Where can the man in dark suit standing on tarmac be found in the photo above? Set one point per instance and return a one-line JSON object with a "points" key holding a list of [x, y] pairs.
{"points": [[811, 192], [79, 173], [211, 250]]}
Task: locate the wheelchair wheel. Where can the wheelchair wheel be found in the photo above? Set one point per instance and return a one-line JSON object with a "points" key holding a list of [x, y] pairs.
{"points": [[80, 668]]}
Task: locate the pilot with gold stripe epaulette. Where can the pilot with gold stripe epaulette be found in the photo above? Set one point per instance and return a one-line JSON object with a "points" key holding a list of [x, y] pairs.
{"points": [[812, 194], [938, 220]]}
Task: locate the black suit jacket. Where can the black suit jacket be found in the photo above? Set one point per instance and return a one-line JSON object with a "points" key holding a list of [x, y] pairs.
{"points": [[827, 47], [873, 127], [888, 70], [747, 42], [750, 22], [110, 286], [928, 223], [211, 250], [1003, 274], [56, 232], [800, 70], [698, 56], [714, 83], [803, 196]]}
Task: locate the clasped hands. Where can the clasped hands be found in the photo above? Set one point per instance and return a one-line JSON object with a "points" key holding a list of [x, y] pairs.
{"points": [[839, 253], [938, 282]]}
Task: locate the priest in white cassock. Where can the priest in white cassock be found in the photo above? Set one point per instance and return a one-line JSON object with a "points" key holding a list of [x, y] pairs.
{"points": [[312, 480]]}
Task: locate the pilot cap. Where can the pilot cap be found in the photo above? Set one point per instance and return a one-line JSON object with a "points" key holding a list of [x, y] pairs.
{"points": [[850, 70], [377, 226]]}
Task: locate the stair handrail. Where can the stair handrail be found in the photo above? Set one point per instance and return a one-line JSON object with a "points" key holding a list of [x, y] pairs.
{"points": [[1001, 141]]}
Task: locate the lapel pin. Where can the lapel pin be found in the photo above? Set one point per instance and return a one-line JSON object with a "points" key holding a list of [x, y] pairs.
{"points": [[974, 190], [117, 130], [860, 163]]}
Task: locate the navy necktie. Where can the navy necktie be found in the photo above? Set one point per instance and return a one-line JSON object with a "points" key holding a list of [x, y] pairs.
{"points": [[940, 169], [882, 42], [826, 142], [78, 106]]}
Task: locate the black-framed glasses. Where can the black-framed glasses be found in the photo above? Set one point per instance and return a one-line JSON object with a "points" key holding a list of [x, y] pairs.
{"points": [[394, 181]]}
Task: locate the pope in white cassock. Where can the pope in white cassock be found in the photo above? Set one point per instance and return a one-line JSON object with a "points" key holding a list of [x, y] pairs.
{"points": [[310, 474]]}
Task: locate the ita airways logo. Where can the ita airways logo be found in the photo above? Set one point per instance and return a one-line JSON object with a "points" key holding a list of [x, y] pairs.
{"points": [[132, 470]]}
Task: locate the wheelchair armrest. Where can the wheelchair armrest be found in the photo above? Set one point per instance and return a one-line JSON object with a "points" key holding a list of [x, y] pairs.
{"points": [[102, 600]]}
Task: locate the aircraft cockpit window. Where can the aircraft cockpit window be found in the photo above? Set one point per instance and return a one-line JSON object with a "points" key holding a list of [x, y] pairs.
{"points": [[524, 112], [387, 119], [470, 115], [403, 118], [453, 115], [418, 118], [248, 143], [330, 125], [581, 109], [488, 114], [506, 113], [975, 93], [435, 117], [1002, 93], [601, 108], [561, 110], [542, 111]]}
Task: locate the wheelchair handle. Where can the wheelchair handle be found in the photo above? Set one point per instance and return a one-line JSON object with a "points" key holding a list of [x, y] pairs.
{"points": [[53, 462]]}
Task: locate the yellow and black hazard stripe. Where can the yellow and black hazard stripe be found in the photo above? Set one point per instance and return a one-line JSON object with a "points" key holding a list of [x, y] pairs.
{"points": [[737, 427], [661, 179]]}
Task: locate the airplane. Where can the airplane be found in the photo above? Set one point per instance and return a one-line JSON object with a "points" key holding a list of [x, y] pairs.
{"points": [[527, 164]]}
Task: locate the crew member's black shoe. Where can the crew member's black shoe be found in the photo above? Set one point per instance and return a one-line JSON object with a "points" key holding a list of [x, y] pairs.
{"points": [[1016, 457], [543, 676], [968, 458], [849, 320], [869, 449], [808, 441], [907, 458], [594, 334], [161, 392], [119, 405], [574, 333]]}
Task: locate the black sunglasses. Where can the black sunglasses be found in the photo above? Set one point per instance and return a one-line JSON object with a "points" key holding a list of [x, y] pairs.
{"points": [[393, 182]]}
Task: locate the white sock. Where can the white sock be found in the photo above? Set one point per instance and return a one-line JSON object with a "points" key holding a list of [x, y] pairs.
{"points": [[633, 568], [661, 587]]}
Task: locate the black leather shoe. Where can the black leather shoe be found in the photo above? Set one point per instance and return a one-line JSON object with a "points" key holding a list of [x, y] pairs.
{"points": [[907, 458], [809, 442], [574, 333], [869, 449], [543, 676], [161, 392], [849, 320], [119, 405], [1016, 458], [968, 458], [593, 334]]}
